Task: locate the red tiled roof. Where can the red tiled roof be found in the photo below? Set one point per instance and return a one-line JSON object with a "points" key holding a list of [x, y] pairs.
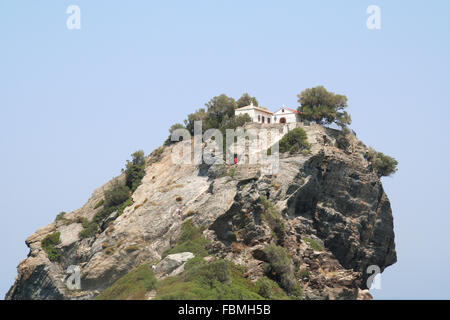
{"points": [[292, 110]]}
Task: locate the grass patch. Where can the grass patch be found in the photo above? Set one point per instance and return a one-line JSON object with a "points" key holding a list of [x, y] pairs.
{"points": [[89, 229], [281, 269], [132, 286], [273, 218], [269, 289], [60, 216], [48, 245], [191, 240], [99, 204], [219, 280], [228, 172], [122, 207], [314, 244], [304, 274]]}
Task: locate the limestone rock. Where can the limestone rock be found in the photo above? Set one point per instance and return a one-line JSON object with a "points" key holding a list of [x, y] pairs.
{"points": [[331, 196], [173, 262]]}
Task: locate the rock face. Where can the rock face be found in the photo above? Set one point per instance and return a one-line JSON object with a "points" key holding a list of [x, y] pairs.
{"points": [[172, 262], [330, 197]]}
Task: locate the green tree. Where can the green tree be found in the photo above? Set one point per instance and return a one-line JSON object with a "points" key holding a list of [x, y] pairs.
{"points": [[246, 100], [115, 196], [49, 244], [236, 121], [135, 170], [281, 268], [382, 164], [294, 141], [198, 115], [171, 130], [219, 108], [323, 107], [175, 127]]}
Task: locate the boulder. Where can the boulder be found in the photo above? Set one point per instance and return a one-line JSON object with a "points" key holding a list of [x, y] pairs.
{"points": [[172, 262]]}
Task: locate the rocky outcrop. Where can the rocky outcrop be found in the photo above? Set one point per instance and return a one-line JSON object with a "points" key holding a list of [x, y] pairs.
{"points": [[338, 221], [173, 264]]}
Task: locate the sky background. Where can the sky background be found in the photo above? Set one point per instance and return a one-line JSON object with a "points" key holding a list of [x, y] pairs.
{"points": [[74, 104]]}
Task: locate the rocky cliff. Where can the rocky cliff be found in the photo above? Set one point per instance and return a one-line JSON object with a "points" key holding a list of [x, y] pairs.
{"points": [[336, 219]]}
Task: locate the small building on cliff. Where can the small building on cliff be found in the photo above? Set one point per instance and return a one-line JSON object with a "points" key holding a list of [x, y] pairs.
{"points": [[286, 115], [262, 115], [257, 114]]}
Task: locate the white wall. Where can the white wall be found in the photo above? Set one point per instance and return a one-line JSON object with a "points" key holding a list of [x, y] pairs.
{"points": [[250, 112], [262, 114], [289, 115], [254, 113]]}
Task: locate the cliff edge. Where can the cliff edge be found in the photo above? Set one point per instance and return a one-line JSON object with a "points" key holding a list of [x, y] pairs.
{"points": [[327, 209]]}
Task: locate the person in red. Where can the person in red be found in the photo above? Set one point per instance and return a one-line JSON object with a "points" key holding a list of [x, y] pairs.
{"points": [[235, 160]]}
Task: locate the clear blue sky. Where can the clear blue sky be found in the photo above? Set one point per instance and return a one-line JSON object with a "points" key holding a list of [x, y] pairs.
{"points": [[75, 103]]}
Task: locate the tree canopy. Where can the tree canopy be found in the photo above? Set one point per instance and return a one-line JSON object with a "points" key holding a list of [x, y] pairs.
{"points": [[246, 100], [323, 107], [219, 108], [135, 170], [294, 141], [219, 114], [382, 164]]}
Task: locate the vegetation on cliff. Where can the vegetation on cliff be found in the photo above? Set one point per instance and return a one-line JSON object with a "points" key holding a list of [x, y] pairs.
{"points": [[313, 244], [323, 107], [191, 239], [231, 260], [118, 197], [295, 141], [218, 280], [135, 170], [246, 100], [132, 286], [201, 279], [49, 244], [273, 218], [382, 164], [219, 114], [281, 269]]}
